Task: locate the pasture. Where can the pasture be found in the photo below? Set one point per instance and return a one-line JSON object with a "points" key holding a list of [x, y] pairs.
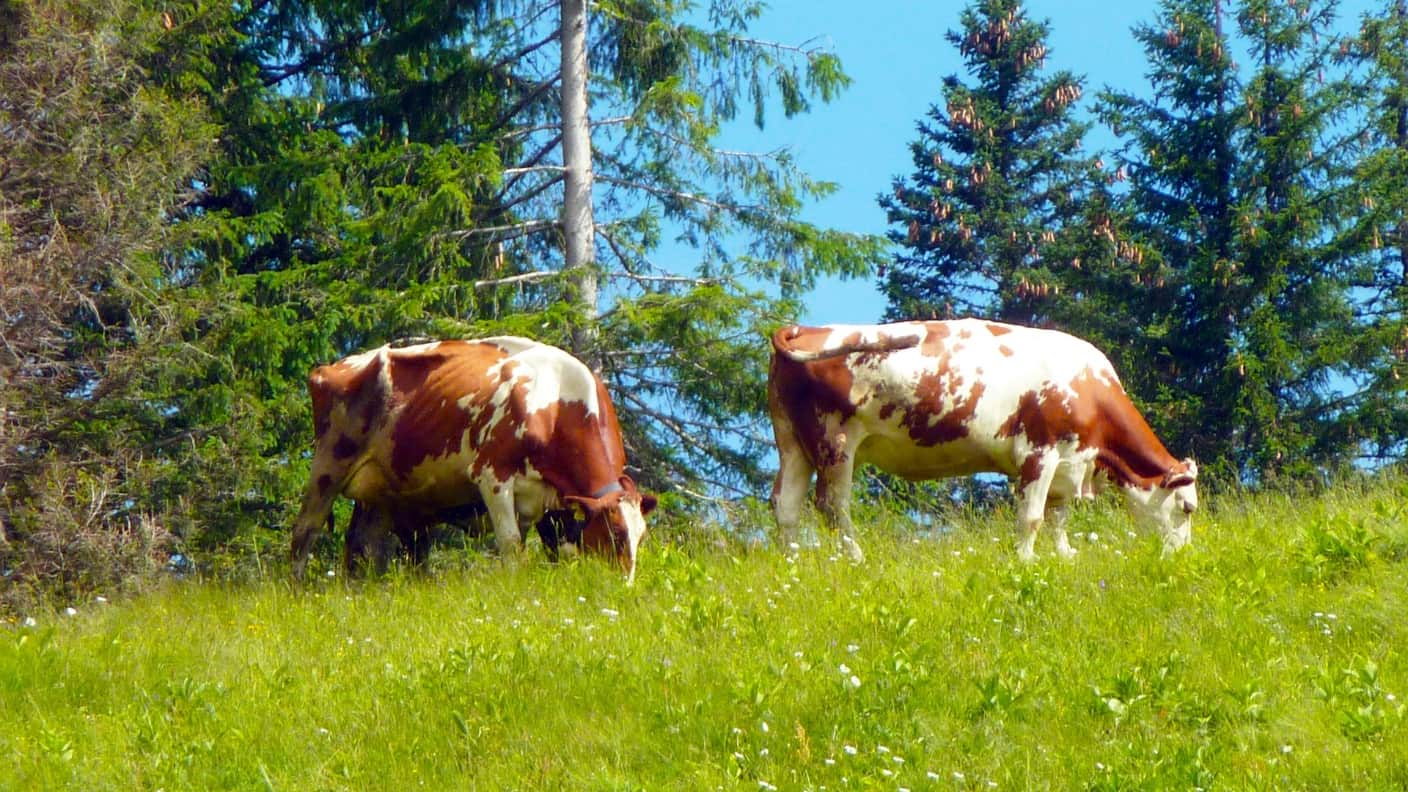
{"points": [[1268, 655]]}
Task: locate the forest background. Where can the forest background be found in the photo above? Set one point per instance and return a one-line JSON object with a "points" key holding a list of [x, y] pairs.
{"points": [[200, 201]]}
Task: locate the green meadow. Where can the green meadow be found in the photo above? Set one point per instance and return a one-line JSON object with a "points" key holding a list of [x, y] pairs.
{"points": [[1268, 655]]}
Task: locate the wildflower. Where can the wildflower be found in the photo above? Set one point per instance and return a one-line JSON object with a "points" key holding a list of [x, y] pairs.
{"points": [[852, 648], [765, 785], [855, 681], [828, 761], [849, 749], [100, 599], [762, 752], [884, 771], [899, 760], [71, 611], [881, 749], [957, 776], [1285, 749], [29, 621], [1093, 537], [609, 613], [932, 776], [332, 573], [843, 668], [765, 727], [581, 599]]}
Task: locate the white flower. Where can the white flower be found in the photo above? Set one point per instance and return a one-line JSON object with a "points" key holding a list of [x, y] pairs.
{"points": [[100, 599], [828, 761], [1285, 749], [29, 621], [932, 776], [881, 749], [855, 681], [581, 599], [957, 776], [762, 752], [852, 648], [886, 772], [899, 760], [765, 785], [610, 613], [843, 668], [71, 611], [765, 727], [332, 573], [849, 749]]}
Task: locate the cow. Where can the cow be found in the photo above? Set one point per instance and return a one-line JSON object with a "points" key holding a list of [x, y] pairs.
{"points": [[930, 400], [521, 427]]}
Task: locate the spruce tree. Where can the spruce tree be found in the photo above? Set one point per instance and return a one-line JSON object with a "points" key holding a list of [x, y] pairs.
{"points": [[1000, 217], [1374, 413], [1242, 330]]}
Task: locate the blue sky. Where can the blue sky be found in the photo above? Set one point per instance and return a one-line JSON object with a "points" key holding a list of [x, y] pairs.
{"points": [[897, 57]]}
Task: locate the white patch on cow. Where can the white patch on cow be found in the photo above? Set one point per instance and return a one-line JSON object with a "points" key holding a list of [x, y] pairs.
{"points": [[635, 531], [361, 360], [556, 376]]}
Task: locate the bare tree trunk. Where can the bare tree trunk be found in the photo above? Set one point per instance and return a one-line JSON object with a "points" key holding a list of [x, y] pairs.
{"points": [[578, 225]]}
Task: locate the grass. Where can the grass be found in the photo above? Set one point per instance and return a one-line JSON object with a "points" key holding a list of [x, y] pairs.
{"points": [[1266, 656]]}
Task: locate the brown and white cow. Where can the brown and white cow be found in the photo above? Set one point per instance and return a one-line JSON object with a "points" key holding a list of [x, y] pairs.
{"points": [[928, 400], [522, 427]]}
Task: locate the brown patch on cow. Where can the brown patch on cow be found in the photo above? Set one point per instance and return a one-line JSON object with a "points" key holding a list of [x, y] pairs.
{"points": [[1005, 350], [811, 395], [998, 329], [324, 484], [432, 422], [1044, 418], [929, 422], [1030, 472], [345, 447], [935, 340]]}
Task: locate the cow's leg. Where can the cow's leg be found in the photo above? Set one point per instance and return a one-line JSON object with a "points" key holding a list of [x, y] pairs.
{"points": [[314, 517], [789, 491], [367, 535], [833, 495], [1037, 474], [1057, 513], [498, 497]]}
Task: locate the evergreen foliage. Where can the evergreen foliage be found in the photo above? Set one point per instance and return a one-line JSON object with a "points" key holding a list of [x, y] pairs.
{"points": [[994, 220]]}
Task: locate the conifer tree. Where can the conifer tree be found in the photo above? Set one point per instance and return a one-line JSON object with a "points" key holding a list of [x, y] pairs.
{"points": [[1374, 413], [1001, 216], [1239, 334]]}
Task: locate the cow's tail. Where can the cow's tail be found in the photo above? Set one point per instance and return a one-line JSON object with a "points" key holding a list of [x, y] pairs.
{"points": [[782, 345]]}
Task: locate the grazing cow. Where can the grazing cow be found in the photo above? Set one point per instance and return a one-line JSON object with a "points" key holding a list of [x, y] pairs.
{"points": [[520, 427], [928, 400]]}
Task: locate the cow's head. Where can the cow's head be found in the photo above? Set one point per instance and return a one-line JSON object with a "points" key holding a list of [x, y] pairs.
{"points": [[1169, 504], [613, 522]]}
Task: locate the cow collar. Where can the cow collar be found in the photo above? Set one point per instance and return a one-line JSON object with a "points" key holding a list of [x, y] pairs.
{"points": [[614, 486]]}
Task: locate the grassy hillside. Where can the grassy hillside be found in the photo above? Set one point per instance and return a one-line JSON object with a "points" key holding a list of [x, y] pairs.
{"points": [[1270, 655]]}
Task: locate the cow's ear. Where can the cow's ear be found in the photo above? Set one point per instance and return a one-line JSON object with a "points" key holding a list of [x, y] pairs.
{"points": [[1181, 478], [648, 503]]}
